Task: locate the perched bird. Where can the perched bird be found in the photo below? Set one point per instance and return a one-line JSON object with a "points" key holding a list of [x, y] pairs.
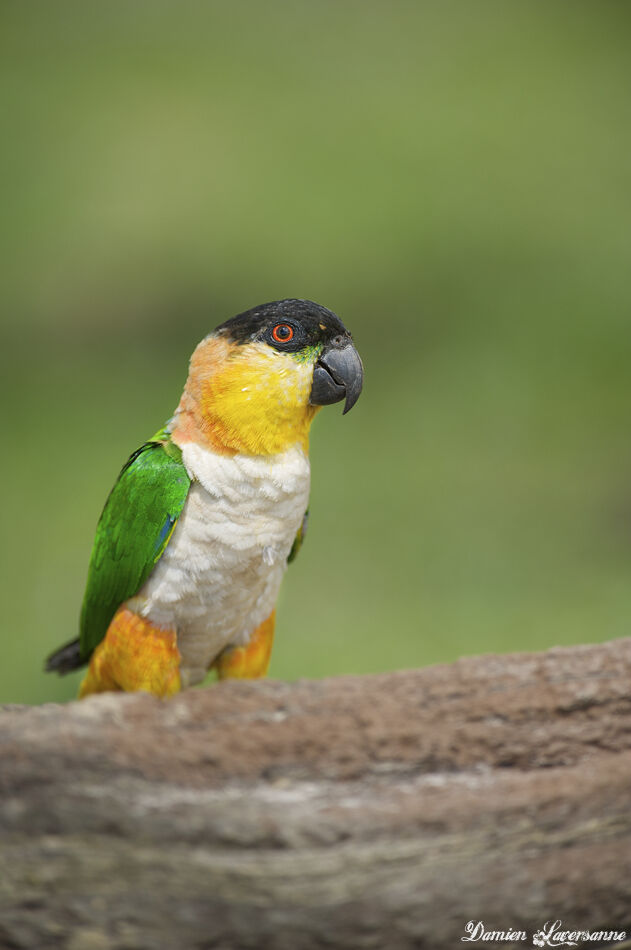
{"points": [[196, 534]]}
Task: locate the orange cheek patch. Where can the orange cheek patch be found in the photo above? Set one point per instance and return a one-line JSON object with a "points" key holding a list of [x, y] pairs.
{"points": [[134, 655], [252, 660], [193, 424]]}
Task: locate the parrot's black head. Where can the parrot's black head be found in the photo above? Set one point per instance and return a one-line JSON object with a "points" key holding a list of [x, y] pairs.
{"points": [[312, 324], [314, 335]]}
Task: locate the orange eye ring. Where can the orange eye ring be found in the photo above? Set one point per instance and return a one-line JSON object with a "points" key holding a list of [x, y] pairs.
{"points": [[283, 333]]}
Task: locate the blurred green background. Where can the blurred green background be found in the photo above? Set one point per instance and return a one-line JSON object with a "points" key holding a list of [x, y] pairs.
{"points": [[454, 179]]}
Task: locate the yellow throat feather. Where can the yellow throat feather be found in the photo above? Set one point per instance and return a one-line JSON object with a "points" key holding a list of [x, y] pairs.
{"points": [[246, 398]]}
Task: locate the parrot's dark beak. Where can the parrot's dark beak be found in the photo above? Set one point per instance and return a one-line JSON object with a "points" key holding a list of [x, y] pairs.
{"points": [[338, 374]]}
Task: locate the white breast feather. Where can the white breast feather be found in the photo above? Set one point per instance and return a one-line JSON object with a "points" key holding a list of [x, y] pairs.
{"points": [[219, 576]]}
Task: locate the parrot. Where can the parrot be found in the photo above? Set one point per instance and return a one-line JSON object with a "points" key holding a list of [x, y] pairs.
{"points": [[196, 534]]}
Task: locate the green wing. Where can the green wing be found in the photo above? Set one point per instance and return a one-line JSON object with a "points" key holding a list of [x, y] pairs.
{"points": [[133, 531], [298, 540]]}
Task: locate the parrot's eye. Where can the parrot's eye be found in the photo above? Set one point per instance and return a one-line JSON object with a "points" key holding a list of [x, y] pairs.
{"points": [[282, 333]]}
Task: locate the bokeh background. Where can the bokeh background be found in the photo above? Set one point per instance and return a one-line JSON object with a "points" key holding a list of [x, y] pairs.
{"points": [[453, 178]]}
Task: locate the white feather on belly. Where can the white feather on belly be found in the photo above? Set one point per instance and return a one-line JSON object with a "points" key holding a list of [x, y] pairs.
{"points": [[219, 576]]}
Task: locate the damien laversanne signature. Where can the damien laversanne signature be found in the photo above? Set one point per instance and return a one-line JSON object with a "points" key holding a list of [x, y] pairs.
{"points": [[552, 934]]}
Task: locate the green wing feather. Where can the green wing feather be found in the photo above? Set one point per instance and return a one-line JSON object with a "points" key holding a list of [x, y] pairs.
{"points": [[133, 531], [299, 539]]}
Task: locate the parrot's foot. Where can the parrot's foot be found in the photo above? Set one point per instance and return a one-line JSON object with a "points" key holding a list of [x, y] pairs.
{"points": [[134, 655], [252, 660]]}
